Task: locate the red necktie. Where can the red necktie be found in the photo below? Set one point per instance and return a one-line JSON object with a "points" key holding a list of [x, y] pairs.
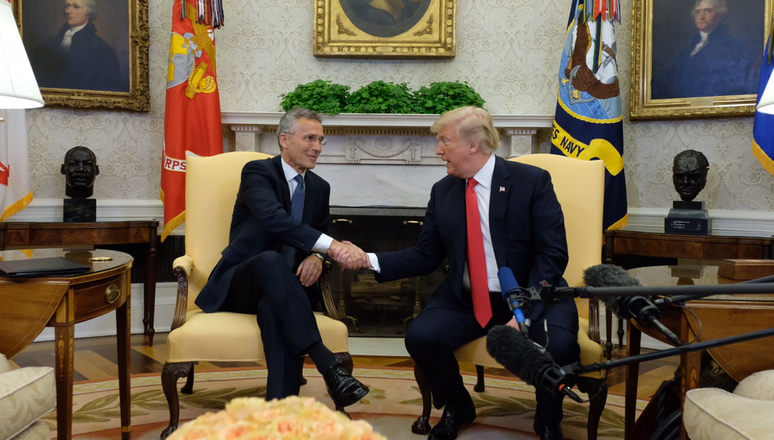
{"points": [[479, 282]]}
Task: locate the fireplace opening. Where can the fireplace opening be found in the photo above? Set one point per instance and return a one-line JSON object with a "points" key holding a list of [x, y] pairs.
{"points": [[369, 308]]}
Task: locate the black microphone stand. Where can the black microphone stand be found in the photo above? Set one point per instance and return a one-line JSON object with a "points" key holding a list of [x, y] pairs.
{"points": [[578, 368], [691, 291]]}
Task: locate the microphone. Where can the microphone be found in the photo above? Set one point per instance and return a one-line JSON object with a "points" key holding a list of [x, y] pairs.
{"points": [[529, 361], [514, 298], [637, 307]]}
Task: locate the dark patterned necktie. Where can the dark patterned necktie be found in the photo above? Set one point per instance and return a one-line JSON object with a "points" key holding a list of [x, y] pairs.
{"points": [[297, 212], [297, 202]]}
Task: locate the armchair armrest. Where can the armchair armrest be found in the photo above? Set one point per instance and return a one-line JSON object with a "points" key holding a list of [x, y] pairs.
{"points": [[182, 268]]}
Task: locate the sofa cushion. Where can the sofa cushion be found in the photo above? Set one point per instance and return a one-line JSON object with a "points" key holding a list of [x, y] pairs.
{"points": [[716, 414], [26, 394], [758, 385], [236, 337], [37, 431]]}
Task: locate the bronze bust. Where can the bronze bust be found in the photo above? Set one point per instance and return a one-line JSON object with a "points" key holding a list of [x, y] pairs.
{"points": [[689, 173], [80, 169]]}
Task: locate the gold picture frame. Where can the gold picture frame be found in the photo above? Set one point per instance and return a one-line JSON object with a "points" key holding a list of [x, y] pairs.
{"points": [[670, 83], [122, 35], [385, 28]]}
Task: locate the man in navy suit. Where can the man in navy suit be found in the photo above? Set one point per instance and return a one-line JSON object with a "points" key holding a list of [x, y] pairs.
{"points": [[521, 225], [273, 259]]}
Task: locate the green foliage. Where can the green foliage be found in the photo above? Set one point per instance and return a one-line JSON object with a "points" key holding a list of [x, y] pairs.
{"points": [[321, 96], [381, 97], [441, 97]]}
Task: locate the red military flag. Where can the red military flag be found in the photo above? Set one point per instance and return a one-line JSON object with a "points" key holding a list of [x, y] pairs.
{"points": [[192, 123]]}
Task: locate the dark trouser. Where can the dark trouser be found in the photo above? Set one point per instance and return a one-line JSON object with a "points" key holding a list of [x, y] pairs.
{"points": [[266, 286], [436, 332]]}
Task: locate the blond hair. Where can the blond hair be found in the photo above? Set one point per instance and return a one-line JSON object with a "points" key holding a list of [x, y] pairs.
{"points": [[474, 124]]}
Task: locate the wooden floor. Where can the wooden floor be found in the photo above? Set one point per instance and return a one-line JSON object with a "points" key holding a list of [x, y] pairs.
{"points": [[95, 359]]}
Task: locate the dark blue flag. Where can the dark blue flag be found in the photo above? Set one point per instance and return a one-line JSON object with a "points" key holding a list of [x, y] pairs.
{"points": [[589, 123]]}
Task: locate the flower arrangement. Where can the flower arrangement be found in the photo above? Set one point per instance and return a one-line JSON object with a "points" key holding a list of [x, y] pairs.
{"points": [[297, 418]]}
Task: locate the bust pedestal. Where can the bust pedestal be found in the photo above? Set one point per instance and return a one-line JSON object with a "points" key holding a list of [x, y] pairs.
{"points": [[688, 218], [79, 210]]}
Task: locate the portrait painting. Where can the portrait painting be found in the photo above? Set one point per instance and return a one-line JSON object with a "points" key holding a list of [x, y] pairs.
{"points": [[697, 58], [83, 52], [385, 28]]}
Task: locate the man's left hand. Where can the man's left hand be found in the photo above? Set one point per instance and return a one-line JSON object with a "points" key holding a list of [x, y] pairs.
{"points": [[309, 270]]}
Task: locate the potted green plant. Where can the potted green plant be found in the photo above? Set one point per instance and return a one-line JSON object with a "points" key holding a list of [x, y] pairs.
{"points": [[321, 96], [381, 97], [440, 97]]}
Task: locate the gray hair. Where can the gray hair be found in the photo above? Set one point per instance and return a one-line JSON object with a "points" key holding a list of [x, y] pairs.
{"points": [[475, 125], [289, 121], [720, 5]]}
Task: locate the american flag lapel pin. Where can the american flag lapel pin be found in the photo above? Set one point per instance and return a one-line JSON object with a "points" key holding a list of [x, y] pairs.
{"points": [[502, 189]]}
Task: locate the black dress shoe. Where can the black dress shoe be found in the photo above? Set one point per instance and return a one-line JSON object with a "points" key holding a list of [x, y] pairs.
{"points": [[454, 416], [344, 389], [548, 432]]}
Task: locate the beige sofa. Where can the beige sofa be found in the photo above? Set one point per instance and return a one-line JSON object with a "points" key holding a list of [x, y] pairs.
{"points": [[745, 414], [26, 395]]}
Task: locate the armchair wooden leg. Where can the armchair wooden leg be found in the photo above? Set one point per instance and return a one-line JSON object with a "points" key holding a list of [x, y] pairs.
{"points": [[480, 387], [303, 380], [189, 381], [597, 391], [169, 376], [422, 424]]}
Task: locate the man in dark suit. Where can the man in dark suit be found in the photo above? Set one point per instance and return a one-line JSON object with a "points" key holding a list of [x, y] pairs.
{"points": [[273, 259], [514, 212]]}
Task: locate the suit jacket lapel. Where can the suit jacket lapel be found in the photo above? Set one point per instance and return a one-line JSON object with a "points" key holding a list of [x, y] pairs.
{"points": [[498, 207], [284, 192], [311, 197], [458, 220]]}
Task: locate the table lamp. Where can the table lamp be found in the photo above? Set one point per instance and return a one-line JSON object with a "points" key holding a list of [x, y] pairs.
{"points": [[18, 88]]}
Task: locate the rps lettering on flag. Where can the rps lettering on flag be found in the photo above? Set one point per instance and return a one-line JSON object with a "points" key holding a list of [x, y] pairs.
{"points": [[588, 124], [192, 123]]}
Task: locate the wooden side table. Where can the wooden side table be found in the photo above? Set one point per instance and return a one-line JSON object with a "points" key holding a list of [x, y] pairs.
{"points": [[27, 305], [27, 235], [702, 320], [622, 243]]}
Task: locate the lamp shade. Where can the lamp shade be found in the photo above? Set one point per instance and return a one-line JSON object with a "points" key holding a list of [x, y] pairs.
{"points": [[18, 88], [766, 103]]}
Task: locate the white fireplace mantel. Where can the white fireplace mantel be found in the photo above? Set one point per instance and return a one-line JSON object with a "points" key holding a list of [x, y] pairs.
{"points": [[518, 130], [380, 159]]}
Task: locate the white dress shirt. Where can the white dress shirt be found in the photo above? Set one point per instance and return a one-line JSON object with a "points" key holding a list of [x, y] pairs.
{"points": [[324, 242]]}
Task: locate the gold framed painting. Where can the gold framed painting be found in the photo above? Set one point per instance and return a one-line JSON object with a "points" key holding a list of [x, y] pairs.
{"points": [[88, 53], [385, 28], [697, 58]]}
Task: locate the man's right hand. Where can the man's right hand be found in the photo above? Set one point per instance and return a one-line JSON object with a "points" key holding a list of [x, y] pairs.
{"points": [[348, 255]]}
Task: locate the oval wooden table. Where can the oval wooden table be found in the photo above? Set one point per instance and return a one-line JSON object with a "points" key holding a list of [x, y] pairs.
{"points": [[706, 319], [27, 305]]}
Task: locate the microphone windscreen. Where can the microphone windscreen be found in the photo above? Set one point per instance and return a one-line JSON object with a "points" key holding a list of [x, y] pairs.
{"points": [[518, 355], [507, 281], [609, 275]]}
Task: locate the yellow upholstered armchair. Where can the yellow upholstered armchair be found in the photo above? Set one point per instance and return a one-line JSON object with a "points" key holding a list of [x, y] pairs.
{"points": [[580, 188], [211, 187]]}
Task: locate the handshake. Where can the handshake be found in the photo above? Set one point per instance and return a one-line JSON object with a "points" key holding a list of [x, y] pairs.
{"points": [[348, 255]]}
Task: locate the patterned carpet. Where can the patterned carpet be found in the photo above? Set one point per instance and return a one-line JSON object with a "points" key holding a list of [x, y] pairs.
{"points": [[505, 410]]}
